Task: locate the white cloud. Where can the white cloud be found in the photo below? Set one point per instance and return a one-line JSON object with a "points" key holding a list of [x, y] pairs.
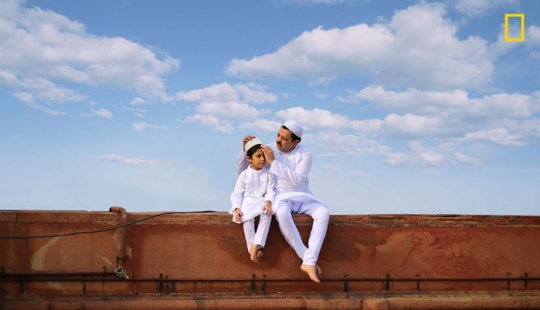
{"points": [[261, 125], [217, 92], [138, 112], [367, 125], [228, 110], [533, 41], [121, 159], [399, 53], [28, 99], [253, 93], [419, 156], [413, 124], [100, 113], [339, 143], [225, 92], [499, 136], [220, 115], [534, 35], [41, 46], [448, 103], [314, 118], [336, 141], [461, 158], [221, 104], [212, 121], [138, 101], [140, 126], [472, 8]]}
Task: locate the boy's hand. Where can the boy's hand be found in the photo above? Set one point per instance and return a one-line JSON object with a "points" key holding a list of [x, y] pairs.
{"points": [[238, 214], [267, 208]]}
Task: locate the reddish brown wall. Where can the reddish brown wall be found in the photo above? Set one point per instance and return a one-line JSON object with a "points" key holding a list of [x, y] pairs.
{"points": [[206, 253]]}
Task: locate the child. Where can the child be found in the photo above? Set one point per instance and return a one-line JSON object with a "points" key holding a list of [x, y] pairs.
{"points": [[252, 197]]}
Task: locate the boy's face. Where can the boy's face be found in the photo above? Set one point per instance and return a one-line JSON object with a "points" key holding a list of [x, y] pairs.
{"points": [[284, 140], [257, 160]]}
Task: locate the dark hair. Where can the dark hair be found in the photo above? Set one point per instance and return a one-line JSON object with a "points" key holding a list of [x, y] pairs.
{"points": [[252, 150], [293, 136]]}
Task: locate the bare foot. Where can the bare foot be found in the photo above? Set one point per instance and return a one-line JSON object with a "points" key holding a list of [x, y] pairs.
{"points": [[254, 252], [318, 269], [259, 253], [312, 272]]}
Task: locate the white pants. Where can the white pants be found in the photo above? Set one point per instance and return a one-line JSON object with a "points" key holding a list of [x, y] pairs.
{"points": [[320, 216], [258, 237]]}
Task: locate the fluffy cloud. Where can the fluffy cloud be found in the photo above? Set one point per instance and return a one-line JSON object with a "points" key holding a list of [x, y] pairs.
{"points": [[446, 103], [410, 124], [99, 113], [140, 126], [222, 104], [419, 155], [224, 92], [260, 125], [314, 118], [43, 48], [397, 53], [499, 136], [212, 121]]}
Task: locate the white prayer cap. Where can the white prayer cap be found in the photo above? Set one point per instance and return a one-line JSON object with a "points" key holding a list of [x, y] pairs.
{"points": [[251, 143], [294, 127]]}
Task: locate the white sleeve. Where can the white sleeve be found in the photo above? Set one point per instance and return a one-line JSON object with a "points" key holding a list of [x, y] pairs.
{"points": [[242, 162], [237, 195], [299, 175]]}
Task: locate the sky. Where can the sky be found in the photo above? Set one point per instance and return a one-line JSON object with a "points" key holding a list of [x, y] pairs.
{"points": [[409, 107]]}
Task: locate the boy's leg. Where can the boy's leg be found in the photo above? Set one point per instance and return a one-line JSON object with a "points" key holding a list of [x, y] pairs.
{"points": [[288, 228], [249, 232], [262, 230]]}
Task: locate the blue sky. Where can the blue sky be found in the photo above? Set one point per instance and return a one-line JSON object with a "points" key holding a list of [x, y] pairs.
{"points": [[408, 106]]}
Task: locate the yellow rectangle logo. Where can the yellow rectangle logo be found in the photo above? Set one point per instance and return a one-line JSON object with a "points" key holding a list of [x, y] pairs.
{"points": [[522, 37]]}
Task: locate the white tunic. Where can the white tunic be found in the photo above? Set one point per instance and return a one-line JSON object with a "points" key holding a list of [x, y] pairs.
{"points": [[253, 188]]}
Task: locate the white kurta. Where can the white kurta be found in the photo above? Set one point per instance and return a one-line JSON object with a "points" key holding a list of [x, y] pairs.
{"points": [[252, 189], [294, 196]]}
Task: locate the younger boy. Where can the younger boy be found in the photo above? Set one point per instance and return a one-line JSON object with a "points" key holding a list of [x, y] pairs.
{"points": [[252, 197]]}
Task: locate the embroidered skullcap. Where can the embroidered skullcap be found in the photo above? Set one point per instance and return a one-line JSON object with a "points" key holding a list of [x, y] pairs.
{"points": [[251, 143], [294, 127]]}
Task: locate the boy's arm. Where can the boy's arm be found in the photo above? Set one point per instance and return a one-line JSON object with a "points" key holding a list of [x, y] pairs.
{"points": [[237, 195], [270, 194]]}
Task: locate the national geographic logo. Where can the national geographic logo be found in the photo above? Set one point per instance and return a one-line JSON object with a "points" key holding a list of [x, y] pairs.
{"points": [[521, 17]]}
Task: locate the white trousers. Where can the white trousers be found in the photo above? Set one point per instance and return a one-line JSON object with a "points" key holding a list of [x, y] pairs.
{"points": [[258, 237], [310, 254]]}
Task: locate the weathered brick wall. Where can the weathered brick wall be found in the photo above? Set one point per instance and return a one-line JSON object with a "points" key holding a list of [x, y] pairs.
{"points": [[206, 253]]}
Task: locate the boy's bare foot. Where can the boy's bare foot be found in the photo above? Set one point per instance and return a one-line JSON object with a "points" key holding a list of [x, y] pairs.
{"points": [[312, 272], [255, 253]]}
